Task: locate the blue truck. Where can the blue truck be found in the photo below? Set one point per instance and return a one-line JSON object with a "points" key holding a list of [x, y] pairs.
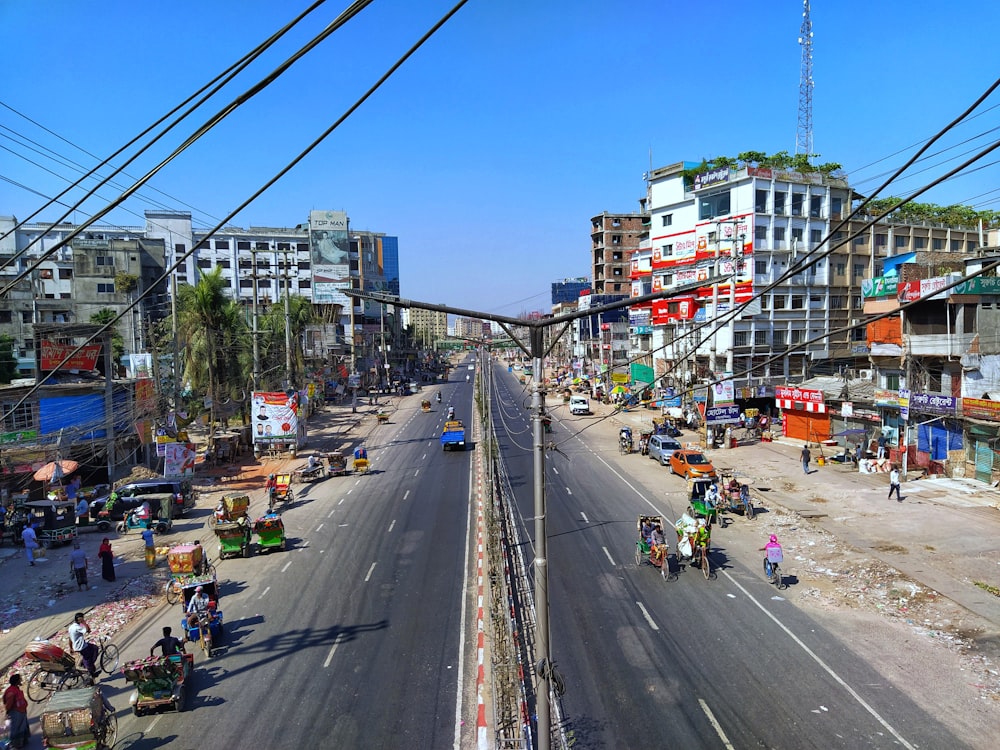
{"points": [[453, 435]]}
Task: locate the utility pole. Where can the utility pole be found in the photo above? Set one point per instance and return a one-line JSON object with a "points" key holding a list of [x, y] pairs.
{"points": [[288, 325], [173, 325], [713, 364], [256, 329], [109, 406]]}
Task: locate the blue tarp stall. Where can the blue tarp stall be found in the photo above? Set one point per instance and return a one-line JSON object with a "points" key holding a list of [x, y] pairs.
{"points": [[938, 438], [82, 416]]}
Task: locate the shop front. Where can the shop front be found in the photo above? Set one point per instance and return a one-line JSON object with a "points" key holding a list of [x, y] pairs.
{"points": [[982, 429], [804, 414], [938, 432]]}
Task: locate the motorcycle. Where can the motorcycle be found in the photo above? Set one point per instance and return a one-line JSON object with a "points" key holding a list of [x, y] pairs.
{"points": [[438, 398]]}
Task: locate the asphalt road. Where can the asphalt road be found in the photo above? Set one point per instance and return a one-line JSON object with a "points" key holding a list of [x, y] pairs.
{"points": [[690, 663], [353, 636]]}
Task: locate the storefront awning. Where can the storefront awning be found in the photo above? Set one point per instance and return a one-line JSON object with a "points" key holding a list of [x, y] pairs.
{"points": [[787, 403]]}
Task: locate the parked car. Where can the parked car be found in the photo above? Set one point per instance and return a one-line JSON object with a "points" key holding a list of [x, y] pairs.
{"points": [[183, 493], [662, 447], [690, 463], [579, 405]]}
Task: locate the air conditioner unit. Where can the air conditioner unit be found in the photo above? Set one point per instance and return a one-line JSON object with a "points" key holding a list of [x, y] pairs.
{"points": [[864, 374]]}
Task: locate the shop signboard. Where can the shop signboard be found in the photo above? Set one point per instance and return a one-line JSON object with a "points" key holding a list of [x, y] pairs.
{"points": [[883, 397], [981, 408], [904, 404], [933, 403], [729, 414]]}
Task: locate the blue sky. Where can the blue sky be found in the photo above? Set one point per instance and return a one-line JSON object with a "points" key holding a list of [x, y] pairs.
{"points": [[489, 151]]}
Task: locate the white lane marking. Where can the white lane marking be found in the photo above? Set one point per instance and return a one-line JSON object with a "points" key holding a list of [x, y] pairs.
{"points": [[853, 693], [341, 501], [649, 619], [153, 722], [304, 544], [330, 514], [416, 472], [319, 527], [370, 571], [286, 566], [608, 554], [406, 494], [715, 724], [333, 649], [392, 525], [584, 517], [264, 593], [569, 491], [555, 471], [423, 457]]}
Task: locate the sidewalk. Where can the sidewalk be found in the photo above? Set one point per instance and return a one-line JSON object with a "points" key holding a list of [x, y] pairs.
{"points": [[942, 535], [39, 601]]}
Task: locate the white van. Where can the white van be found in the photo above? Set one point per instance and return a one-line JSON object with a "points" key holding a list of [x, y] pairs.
{"points": [[579, 405]]}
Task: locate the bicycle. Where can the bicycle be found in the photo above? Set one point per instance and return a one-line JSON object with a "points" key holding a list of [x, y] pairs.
{"points": [[773, 572], [43, 682], [748, 511]]}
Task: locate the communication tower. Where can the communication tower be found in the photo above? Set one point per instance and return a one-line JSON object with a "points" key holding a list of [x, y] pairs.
{"points": [[804, 132]]}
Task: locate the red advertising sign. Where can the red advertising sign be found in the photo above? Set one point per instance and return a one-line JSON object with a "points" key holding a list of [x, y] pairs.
{"points": [[85, 359], [981, 408], [792, 393]]}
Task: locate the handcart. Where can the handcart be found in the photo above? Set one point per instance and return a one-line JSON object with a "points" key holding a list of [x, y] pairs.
{"points": [[382, 418], [79, 719], [659, 558], [231, 509], [270, 531], [311, 473], [159, 682], [188, 565]]}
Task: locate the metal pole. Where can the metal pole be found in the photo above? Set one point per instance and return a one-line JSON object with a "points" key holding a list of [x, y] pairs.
{"points": [[109, 403], [288, 326], [173, 324], [541, 560], [713, 362], [256, 330]]}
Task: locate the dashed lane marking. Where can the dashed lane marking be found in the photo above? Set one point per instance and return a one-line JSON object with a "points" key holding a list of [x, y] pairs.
{"points": [[715, 724], [649, 619], [370, 571]]}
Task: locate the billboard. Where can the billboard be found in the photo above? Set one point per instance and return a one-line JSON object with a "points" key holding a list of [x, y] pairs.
{"points": [[85, 359], [329, 252], [275, 417]]}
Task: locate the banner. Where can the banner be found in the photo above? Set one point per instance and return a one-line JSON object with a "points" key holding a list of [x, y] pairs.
{"points": [[275, 417], [722, 415], [178, 459], [85, 359]]}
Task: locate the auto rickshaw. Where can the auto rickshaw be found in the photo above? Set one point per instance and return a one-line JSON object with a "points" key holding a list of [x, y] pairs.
{"points": [[79, 719], [702, 506], [231, 509], [336, 463], [234, 538], [56, 521], [425, 405], [361, 465], [159, 682], [270, 531], [156, 511]]}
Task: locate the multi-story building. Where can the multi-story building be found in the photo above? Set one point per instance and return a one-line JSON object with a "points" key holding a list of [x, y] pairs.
{"points": [[613, 237], [428, 326], [771, 317]]}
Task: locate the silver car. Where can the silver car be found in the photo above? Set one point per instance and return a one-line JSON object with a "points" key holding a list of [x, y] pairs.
{"points": [[661, 447]]}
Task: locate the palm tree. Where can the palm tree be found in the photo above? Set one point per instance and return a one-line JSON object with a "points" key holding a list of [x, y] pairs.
{"points": [[211, 325], [272, 326]]}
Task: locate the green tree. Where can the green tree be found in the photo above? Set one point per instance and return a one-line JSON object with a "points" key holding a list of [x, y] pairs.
{"points": [[212, 327], [8, 360], [272, 329], [102, 317]]}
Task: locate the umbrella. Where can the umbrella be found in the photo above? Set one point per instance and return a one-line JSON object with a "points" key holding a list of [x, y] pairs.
{"points": [[619, 389], [50, 470]]}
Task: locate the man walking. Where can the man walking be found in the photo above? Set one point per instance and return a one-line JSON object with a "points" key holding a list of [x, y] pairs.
{"points": [[78, 566], [806, 457], [894, 484], [30, 542]]}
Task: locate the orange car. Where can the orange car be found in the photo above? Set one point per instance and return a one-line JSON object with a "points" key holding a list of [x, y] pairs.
{"points": [[690, 463]]}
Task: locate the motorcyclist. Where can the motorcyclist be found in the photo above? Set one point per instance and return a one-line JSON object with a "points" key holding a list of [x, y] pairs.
{"points": [[198, 606], [451, 412], [438, 397]]}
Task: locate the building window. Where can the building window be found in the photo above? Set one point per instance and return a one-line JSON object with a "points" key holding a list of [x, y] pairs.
{"points": [[881, 240], [798, 301], [765, 302], [204, 263], [797, 201], [5, 316], [760, 267], [858, 270], [616, 239], [760, 338], [760, 202], [302, 247], [65, 273], [284, 247], [970, 245], [225, 263], [779, 202], [19, 417], [25, 316], [710, 206], [815, 205], [104, 260], [304, 284], [859, 302], [837, 237], [779, 234], [780, 338], [180, 248], [859, 239], [836, 206], [815, 236], [797, 233], [741, 338], [919, 243], [836, 301], [246, 283], [840, 269], [760, 233], [242, 245], [105, 288], [900, 241], [937, 243], [796, 336], [779, 302], [222, 244], [956, 246], [667, 251], [859, 334]]}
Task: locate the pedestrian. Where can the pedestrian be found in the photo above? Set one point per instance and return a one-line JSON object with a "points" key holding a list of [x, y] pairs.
{"points": [[107, 561], [78, 566], [147, 538], [881, 448], [806, 457], [894, 483], [30, 542], [82, 512], [16, 706]]}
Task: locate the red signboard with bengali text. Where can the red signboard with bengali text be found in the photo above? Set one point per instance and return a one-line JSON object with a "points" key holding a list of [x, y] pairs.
{"points": [[85, 359]]}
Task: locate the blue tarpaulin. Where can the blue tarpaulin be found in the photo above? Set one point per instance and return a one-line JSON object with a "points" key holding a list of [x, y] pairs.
{"points": [[937, 439]]}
